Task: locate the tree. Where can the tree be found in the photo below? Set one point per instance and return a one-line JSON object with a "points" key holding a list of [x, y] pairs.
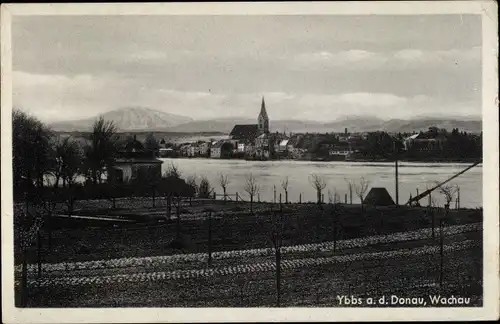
{"points": [[67, 161], [224, 182], [31, 152], [191, 181], [318, 183], [151, 144], [101, 152], [173, 171], [361, 189], [68, 165], [350, 185], [333, 196], [448, 191], [284, 185], [204, 189], [252, 188]]}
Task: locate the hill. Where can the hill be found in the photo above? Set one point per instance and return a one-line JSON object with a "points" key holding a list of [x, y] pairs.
{"points": [[127, 119], [139, 119]]}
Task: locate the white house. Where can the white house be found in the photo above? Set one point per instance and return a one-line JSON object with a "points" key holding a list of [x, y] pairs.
{"points": [[216, 150], [283, 145], [241, 147]]}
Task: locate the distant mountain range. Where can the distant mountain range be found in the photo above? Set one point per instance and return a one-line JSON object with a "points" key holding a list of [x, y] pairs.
{"points": [[127, 119], [135, 119]]}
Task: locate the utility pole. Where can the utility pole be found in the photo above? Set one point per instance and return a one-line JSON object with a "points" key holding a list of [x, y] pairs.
{"points": [[396, 166]]}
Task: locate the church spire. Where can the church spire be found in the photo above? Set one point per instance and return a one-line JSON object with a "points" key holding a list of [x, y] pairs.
{"points": [[263, 111], [263, 119]]}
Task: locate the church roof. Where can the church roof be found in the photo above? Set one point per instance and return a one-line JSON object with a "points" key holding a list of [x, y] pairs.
{"points": [[245, 131]]}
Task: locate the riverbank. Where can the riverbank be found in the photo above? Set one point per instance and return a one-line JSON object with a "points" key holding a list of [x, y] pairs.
{"points": [[333, 160]]}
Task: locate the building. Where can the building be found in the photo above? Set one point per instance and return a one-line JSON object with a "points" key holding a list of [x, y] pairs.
{"points": [[135, 164], [263, 119], [283, 146], [430, 140], [216, 150], [247, 134], [166, 152]]}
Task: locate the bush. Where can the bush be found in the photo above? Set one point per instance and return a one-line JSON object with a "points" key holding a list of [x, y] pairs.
{"points": [[204, 189]]}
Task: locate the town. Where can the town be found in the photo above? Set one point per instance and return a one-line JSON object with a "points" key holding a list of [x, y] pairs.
{"points": [[257, 142]]}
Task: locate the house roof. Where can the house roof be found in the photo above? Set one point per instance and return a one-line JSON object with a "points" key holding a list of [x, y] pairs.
{"points": [[378, 197], [218, 144], [133, 145], [263, 136], [284, 142], [412, 137], [248, 131]]}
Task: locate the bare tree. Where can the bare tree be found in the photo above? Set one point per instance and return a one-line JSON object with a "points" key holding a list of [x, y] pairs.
{"points": [[191, 181], [173, 171], [318, 183], [224, 182], [252, 188], [333, 196], [448, 191], [350, 185], [361, 189], [284, 185]]}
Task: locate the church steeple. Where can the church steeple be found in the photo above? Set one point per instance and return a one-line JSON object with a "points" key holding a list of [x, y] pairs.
{"points": [[263, 119]]}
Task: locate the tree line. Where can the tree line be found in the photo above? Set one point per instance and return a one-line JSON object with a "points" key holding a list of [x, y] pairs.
{"points": [[46, 164]]}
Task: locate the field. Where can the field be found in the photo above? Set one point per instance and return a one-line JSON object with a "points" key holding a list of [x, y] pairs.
{"points": [[326, 252]]}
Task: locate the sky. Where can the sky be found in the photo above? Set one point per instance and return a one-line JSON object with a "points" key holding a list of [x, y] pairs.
{"points": [[206, 67]]}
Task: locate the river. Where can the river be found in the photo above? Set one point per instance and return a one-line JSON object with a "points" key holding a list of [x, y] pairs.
{"points": [[413, 176]]}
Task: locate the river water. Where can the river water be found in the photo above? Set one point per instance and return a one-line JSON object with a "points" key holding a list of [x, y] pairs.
{"points": [[413, 176]]}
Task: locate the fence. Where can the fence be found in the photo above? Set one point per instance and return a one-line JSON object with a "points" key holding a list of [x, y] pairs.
{"points": [[412, 276]]}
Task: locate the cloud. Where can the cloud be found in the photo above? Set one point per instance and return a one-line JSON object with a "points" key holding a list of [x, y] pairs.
{"points": [[58, 97], [399, 60]]}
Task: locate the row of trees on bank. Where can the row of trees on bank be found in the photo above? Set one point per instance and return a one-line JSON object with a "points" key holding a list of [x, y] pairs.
{"points": [[44, 163]]}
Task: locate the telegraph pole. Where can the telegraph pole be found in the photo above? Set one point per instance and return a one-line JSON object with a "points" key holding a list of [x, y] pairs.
{"points": [[396, 167]]}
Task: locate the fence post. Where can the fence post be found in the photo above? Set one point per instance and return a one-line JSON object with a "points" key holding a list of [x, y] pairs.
{"points": [[237, 196], [300, 198], [458, 198], [441, 253], [258, 197], [345, 198], [274, 189], [281, 206], [178, 218], [209, 238], [39, 252]]}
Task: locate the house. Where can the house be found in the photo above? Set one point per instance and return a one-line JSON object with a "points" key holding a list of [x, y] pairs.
{"points": [[241, 147], [203, 149], [135, 163], [166, 152], [185, 149], [340, 151], [216, 150], [283, 145], [427, 141]]}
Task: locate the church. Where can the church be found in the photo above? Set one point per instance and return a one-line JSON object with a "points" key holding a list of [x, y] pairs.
{"points": [[250, 137]]}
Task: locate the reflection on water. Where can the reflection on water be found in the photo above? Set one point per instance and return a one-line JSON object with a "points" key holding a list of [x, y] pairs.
{"points": [[413, 177]]}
